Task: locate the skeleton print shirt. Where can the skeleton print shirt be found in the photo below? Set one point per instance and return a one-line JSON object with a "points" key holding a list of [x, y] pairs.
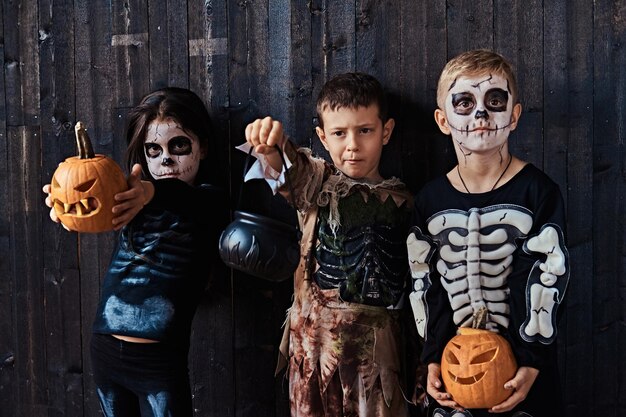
{"points": [[501, 250], [161, 265], [360, 230]]}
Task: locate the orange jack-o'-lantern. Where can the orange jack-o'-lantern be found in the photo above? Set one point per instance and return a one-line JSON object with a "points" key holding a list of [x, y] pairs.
{"points": [[474, 367], [83, 187]]}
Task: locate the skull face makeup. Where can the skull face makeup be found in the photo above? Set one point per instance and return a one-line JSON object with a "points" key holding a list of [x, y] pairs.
{"points": [[479, 112], [171, 152]]}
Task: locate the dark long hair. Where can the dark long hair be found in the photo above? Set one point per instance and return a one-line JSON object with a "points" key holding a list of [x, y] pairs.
{"points": [[179, 104]]}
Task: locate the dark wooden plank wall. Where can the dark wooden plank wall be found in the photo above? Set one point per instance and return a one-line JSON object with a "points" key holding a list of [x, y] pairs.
{"points": [[65, 60]]}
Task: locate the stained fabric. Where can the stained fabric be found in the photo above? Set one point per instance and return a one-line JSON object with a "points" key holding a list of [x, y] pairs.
{"points": [[343, 358]]}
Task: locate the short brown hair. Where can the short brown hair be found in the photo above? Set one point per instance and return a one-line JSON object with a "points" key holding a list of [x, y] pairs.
{"points": [[351, 90], [475, 63]]}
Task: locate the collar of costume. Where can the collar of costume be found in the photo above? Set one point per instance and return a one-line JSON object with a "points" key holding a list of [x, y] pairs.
{"points": [[340, 185]]}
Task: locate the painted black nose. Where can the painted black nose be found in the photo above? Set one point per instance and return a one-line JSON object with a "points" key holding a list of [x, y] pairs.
{"points": [[481, 114], [167, 161]]}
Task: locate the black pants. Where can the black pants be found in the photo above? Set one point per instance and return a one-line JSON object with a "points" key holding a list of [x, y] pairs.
{"points": [[140, 379]]}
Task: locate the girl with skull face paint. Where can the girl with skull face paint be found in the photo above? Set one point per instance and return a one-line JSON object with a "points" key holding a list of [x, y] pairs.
{"points": [[489, 236], [169, 225]]}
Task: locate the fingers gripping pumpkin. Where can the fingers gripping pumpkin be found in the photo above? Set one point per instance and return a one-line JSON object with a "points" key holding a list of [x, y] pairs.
{"points": [[83, 187], [474, 367]]}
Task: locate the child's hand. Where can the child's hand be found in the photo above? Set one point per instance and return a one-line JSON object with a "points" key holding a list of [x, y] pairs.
{"points": [[520, 384], [48, 201], [435, 389], [131, 201], [264, 134]]}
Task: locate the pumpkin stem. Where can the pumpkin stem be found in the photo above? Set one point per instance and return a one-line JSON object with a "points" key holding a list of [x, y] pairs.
{"points": [[83, 143], [479, 320]]}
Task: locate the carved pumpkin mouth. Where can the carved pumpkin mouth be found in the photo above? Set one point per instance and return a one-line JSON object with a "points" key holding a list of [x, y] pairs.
{"points": [[467, 380], [84, 207]]}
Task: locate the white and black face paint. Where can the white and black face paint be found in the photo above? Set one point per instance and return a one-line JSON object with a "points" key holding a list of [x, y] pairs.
{"points": [[171, 152], [479, 110]]}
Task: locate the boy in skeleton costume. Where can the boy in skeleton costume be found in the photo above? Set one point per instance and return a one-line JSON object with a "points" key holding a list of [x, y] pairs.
{"points": [[342, 336], [489, 234]]}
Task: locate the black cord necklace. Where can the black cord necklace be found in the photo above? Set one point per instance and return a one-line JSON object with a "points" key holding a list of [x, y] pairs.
{"points": [[458, 171]]}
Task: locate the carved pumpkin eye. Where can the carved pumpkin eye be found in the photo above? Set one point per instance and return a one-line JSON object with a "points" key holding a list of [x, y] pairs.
{"points": [[55, 183], [85, 186], [484, 357], [451, 357]]}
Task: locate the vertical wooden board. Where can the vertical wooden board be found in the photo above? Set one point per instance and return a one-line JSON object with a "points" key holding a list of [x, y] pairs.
{"points": [[168, 44], [208, 63], [419, 23], [211, 355], [555, 122], [339, 44], [178, 62], [12, 67], [59, 248], [254, 390], [283, 97], [280, 85], [333, 44], [22, 63], [241, 107], [527, 141], [555, 131], [282, 297], [518, 37], [609, 109], [319, 74], [96, 85], [470, 25], [378, 52], [279, 41], [258, 32], [255, 343], [95, 94], [318, 61], [26, 263], [254, 346], [426, 152], [158, 41], [301, 128], [555, 91], [579, 195], [8, 324], [129, 42], [29, 62], [210, 359], [63, 339]]}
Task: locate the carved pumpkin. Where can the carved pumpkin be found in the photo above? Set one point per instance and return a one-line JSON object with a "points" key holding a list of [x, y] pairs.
{"points": [[474, 367], [83, 187]]}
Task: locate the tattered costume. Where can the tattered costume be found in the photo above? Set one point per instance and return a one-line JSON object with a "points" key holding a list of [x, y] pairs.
{"points": [[342, 342]]}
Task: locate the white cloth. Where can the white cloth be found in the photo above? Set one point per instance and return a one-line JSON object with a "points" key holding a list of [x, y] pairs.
{"points": [[261, 169]]}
